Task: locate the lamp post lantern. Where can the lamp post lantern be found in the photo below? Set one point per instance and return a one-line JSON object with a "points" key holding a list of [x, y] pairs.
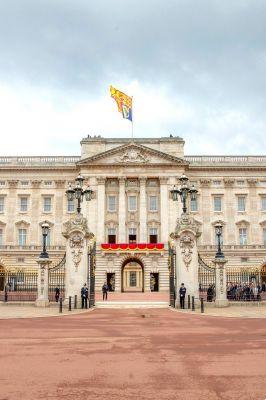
{"points": [[183, 191], [78, 192], [218, 231], [45, 231]]}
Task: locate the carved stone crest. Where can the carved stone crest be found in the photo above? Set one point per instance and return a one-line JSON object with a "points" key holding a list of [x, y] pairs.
{"points": [[77, 223], [186, 222], [186, 244], [133, 156], [76, 243]]}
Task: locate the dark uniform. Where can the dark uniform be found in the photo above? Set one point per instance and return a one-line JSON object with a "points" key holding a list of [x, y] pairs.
{"points": [[105, 289], [182, 295], [84, 296], [57, 294]]}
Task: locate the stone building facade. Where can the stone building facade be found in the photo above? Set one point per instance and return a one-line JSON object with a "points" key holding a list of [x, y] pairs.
{"points": [[132, 213]]}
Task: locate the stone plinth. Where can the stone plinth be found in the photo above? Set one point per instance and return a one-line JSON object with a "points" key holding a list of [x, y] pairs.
{"points": [[78, 240], [184, 240], [221, 298], [43, 282]]}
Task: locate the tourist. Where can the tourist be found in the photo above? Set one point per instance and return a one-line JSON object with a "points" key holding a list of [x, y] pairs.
{"points": [[105, 289], [182, 295], [84, 296], [57, 293]]}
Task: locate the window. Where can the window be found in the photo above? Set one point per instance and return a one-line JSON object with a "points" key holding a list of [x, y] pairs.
{"points": [[70, 206], [48, 183], [244, 259], [132, 237], [111, 203], [264, 236], [2, 203], [2, 183], [263, 204], [153, 203], [132, 203], [194, 204], [217, 183], [48, 238], [20, 259], [240, 183], [217, 203], [47, 204], [23, 204], [24, 183], [111, 235], [241, 203], [132, 278], [153, 235], [243, 238], [1, 237], [22, 237]]}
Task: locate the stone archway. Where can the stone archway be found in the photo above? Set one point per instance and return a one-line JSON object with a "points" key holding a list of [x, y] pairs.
{"points": [[263, 274], [132, 275]]}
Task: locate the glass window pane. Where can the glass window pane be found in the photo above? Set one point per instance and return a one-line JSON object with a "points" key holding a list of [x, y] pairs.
{"points": [[264, 236], [132, 203], [47, 204], [217, 203], [23, 204], [2, 200], [241, 203], [243, 236], [263, 203], [1, 237], [22, 236], [133, 278], [194, 204], [111, 203], [70, 206], [111, 231], [153, 203], [132, 231]]}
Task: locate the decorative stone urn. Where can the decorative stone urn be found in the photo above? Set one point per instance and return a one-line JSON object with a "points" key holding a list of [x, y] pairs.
{"points": [[79, 238], [220, 298], [184, 239]]}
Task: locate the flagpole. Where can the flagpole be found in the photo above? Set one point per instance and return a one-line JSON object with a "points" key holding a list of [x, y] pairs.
{"points": [[132, 118]]}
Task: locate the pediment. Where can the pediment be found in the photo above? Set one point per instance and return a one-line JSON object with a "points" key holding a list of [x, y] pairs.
{"points": [[132, 154]]}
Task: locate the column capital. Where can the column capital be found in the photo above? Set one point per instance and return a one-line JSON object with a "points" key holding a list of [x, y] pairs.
{"points": [[163, 180], [122, 180], [142, 179], [101, 180]]}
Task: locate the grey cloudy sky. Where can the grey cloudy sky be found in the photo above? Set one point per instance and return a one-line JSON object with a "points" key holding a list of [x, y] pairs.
{"points": [[196, 69]]}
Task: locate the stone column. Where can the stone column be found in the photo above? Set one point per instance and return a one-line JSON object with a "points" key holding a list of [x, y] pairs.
{"points": [[164, 210], [143, 211], [185, 241], [221, 298], [101, 210], [78, 240], [122, 211], [43, 282]]}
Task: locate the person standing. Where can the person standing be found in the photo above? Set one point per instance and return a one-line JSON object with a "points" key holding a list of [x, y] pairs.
{"points": [[84, 296], [182, 295], [105, 289], [57, 293], [210, 293]]}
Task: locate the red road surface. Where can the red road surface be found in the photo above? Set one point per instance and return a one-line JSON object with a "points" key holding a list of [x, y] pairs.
{"points": [[119, 354]]}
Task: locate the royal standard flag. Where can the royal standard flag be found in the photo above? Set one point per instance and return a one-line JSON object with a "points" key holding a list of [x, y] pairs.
{"points": [[124, 102]]}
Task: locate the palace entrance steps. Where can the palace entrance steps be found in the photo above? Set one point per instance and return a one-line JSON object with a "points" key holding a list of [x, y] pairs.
{"points": [[133, 300]]}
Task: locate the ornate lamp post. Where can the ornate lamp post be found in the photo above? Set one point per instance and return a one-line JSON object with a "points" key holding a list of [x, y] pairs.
{"points": [[183, 191], [218, 231], [45, 231], [78, 192]]}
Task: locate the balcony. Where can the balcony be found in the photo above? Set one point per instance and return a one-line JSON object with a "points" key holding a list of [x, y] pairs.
{"points": [[112, 247]]}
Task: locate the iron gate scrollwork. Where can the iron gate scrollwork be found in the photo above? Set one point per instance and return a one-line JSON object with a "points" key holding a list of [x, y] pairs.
{"points": [[171, 267], [57, 279], [91, 274], [207, 275]]}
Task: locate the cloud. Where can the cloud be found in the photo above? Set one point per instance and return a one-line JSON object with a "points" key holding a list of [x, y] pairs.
{"points": [[195, 69]]}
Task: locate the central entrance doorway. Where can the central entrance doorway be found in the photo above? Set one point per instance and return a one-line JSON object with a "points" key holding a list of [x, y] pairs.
{"points": [[132, 276]]}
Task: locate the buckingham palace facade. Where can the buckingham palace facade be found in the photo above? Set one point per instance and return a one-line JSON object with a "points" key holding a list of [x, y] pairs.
{"points": [[131, 212]]}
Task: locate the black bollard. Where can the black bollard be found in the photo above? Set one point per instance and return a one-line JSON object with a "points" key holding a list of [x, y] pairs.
{"points": [[201, 305], [76, 301], [69, 303], [193, 303], [188, 301], [6, 296], [60, 304]]}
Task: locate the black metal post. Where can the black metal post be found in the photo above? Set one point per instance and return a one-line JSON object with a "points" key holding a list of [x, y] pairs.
{"points": [[79, 208], [201, 305], [69, 303], [6, 295], [60, 304], [75, 301], [193, 303], [188, 301]]}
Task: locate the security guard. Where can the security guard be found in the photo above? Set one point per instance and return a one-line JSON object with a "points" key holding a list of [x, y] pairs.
{"points": [[182, 295], [84, 296]]}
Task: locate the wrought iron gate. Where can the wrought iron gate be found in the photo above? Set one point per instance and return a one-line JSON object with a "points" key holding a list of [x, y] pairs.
{"points": [[207, 275], [57, 279], [171, 267], [91, 274]]}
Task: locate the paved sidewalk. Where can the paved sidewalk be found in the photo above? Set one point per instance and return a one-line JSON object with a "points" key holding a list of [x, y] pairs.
{"points": [[8, 311], [230, 312]]}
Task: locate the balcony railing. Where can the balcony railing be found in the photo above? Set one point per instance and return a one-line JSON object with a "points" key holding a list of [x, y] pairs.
{"points": [[206, 160], [30, 247], [132, 246], [213, 247], [28, 161]]}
